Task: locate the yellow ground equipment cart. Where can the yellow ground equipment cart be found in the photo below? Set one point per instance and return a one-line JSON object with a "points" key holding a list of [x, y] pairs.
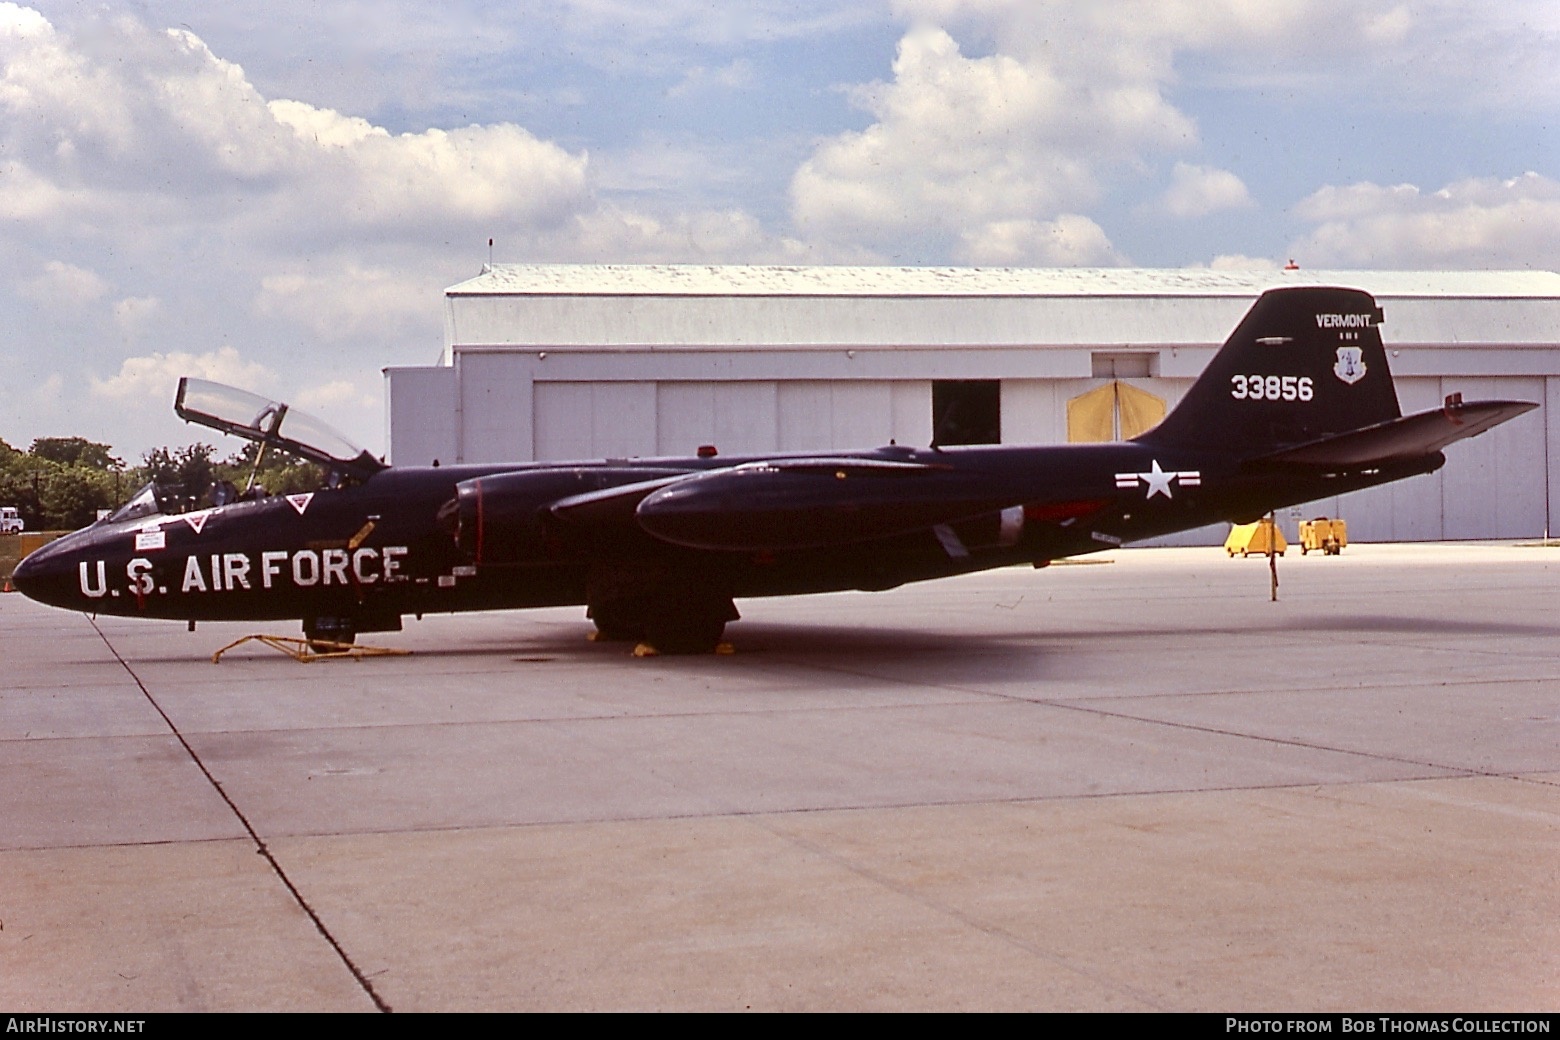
{"points": [[1254, 539], [1330, 536]]}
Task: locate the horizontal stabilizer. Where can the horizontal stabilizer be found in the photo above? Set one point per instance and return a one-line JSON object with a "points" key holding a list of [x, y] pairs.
{"points": [[1413, 436]]}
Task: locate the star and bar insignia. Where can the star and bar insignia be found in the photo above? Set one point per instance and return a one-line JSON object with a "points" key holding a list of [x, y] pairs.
{"points": [[1160, 480]]}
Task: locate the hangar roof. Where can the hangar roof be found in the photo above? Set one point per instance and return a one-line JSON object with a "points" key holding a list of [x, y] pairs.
{"points": [[735, 280]]}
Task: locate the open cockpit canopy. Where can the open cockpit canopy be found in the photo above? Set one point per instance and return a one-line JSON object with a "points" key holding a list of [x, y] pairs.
{"points": [[148, 501], [271, 423]]}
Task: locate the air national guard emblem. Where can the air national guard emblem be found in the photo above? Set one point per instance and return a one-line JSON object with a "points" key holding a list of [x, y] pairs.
{"points": [[1351, 365]]}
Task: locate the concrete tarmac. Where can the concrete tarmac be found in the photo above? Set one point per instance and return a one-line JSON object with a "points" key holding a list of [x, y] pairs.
{"points": [[1127, 784]]}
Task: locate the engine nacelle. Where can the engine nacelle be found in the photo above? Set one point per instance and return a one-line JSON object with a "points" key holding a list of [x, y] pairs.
{"points": [[502, 520]]}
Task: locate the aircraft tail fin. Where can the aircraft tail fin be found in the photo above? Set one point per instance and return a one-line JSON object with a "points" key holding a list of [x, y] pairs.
{"points": [[1306, 363]]}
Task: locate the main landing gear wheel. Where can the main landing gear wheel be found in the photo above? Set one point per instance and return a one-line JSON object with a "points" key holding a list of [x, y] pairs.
{"points": [[326, 634], [618, 622], [663, 609], [685, 633]]}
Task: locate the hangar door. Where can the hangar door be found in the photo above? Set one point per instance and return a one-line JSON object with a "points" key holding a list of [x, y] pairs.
{"points": [[1115, 411], [583, 420]]}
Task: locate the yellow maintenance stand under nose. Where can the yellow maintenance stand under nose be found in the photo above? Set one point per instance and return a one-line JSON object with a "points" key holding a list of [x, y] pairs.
{"points": [[1254, 539]]}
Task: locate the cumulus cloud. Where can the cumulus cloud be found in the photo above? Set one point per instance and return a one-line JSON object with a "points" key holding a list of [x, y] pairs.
{"points": [[1476, 223], [961, 141], [165, 117], [65, 285], [704, 236], [355, 174], [641, 31], [25, 196], [737, 74], [134, 314], [155, 375], [1068, 98], [336, 303], [1197, 191], [1069, 241], [185, 131], [334, 396], [125, 113], [194, 208], [48, 392], [152, 186], [1391, 26], [1027, 110]]}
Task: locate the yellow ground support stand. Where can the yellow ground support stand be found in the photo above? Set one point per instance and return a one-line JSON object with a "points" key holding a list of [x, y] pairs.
{"points": [[307, 650], [1254, 539], [1330, 536]]}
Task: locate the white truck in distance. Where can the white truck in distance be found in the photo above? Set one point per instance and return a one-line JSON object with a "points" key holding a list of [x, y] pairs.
{"points": [[10, 520]]}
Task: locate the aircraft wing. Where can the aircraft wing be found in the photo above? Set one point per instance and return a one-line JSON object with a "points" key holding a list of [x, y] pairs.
{"points": [[606, 515], [779, 504], [1410, 437], [812, 502]]}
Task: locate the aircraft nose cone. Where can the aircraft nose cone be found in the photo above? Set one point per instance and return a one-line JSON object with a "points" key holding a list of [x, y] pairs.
{"points": [[47, 575], [25, 577]]}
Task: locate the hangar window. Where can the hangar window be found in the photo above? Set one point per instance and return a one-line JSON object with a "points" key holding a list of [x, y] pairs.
{"points": [[966, 411], [1138, 364]]}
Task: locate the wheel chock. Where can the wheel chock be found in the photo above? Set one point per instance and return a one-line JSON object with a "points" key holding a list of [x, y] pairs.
{"points": [[646, 650]]}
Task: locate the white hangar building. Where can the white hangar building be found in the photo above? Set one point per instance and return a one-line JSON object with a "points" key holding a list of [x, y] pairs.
{"points": [[550, 362]]}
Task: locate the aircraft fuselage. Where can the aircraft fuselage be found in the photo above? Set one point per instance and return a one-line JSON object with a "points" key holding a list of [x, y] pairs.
{"points": [[1298, 405], [378, 549]]}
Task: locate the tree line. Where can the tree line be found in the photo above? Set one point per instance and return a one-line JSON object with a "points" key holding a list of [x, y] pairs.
{"points": [[63, 482]]}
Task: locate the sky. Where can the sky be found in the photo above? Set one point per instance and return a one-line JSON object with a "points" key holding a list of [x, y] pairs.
{"points": [[276, 195]]}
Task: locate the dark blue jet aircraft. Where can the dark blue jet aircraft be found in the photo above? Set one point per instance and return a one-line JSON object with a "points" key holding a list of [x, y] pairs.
{"points": [[1297, 405]]}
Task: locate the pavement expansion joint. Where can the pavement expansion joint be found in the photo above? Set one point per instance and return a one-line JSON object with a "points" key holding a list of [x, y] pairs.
{"points": [[260, 845]]}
